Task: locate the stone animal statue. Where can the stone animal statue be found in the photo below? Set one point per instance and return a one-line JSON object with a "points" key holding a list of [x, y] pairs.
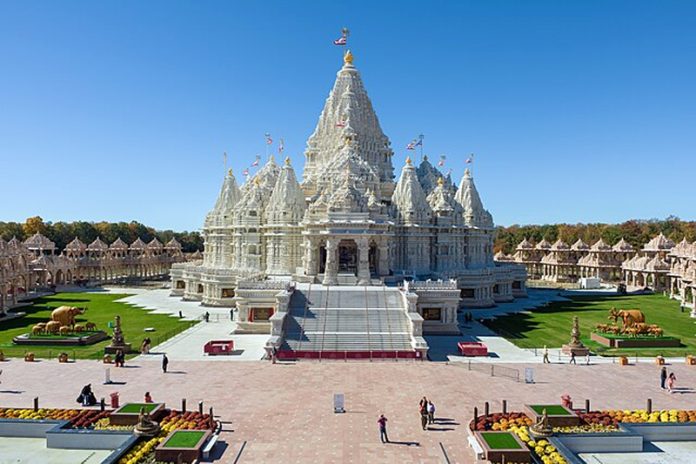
{"points": [[64, 330], [79, 328], [66, 315], [630, 317], [90, 326], [52, 327]]}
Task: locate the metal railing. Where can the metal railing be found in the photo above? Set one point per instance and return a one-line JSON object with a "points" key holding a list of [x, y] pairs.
{"points": [[493, 370]]}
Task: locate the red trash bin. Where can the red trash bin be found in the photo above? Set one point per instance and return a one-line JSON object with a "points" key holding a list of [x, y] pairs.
{"points": [[114, 400]]}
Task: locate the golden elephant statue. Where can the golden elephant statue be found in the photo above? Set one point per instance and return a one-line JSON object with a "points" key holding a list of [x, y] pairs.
{"points": [[38, 329], [52, 327], [91, 326], [64, 330], [66, 315]]}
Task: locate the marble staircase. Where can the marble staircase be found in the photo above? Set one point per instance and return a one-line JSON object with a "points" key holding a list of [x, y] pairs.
{"points": [[347, 318]]}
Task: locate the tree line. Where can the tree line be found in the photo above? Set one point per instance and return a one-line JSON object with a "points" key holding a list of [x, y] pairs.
{"points": [[635, 232], [63, 233]]}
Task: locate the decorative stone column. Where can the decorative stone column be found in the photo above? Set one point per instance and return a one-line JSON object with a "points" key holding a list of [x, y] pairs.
{"points": [[363, 261], [331, 267], [383, 262]]}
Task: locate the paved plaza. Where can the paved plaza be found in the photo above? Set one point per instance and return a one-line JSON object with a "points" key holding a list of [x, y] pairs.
{"points": [[286, 409]]}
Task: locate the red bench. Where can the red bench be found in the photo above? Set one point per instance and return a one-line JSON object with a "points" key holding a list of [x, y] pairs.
{"points": [[215, 347], [472, 349]]}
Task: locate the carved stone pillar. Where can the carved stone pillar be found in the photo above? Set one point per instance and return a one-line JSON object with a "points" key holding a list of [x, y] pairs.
{"points": [[383, 262], [363, 261], [331, 268]]}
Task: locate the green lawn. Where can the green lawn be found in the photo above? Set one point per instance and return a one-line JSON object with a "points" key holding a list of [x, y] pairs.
{"points": [[551, 325], [184, 439], [134, 408], [101, 310], [551, 409], [500, 440]]}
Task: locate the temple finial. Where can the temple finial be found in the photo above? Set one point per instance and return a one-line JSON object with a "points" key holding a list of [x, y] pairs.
{"points": [[229, 172], [440, 181], [287, 161], [408, 160], [348, 57]]}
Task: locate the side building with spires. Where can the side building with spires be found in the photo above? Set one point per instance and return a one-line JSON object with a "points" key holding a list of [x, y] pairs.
{"points": [[349, 224]]}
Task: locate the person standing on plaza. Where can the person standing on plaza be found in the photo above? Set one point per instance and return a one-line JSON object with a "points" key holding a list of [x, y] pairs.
{"points": [[670, 382], [423, 410], [663, 377], [207, 316], [572, 358], [546, 355], [587, 359], [232, 314], [165, 363], [382, 422], [148, 398], [431, 412]]}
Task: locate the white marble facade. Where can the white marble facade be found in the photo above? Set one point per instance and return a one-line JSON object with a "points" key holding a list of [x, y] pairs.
{"points": [[348, 221]]}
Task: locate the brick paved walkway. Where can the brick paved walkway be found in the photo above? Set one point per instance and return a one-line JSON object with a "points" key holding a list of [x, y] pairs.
{"points": [[285, 411]]}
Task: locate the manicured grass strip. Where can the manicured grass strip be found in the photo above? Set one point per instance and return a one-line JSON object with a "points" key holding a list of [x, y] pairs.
{"points": [[551, 409], [101, 310], [500, 440], [134, 408], [184, 439], [551, 324]]}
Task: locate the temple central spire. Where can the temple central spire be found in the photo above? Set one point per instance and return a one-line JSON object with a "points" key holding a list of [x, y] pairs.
{"points": [[348, 115]]}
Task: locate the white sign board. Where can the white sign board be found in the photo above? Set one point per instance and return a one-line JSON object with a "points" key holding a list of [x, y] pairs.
{"points": [[339, 402], [528, 375]]}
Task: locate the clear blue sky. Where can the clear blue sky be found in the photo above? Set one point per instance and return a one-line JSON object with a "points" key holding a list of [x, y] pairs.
{"points": [[579, 111]]}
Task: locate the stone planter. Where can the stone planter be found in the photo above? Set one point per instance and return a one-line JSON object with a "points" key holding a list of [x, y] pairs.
{"points": [[63, 358], [29, 357], [129, 412], [559, 415], [168, 453], [499, 447]]}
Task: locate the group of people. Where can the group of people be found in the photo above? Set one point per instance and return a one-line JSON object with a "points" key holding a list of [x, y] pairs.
{"points": [[426, 408], [573, 359], [670, 380]]}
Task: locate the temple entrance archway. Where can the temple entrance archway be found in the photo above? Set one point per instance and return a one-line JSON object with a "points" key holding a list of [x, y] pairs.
{"points": [[348, 257]]}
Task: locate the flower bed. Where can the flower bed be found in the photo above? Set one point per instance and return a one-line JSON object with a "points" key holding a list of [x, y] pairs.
{"points": [[591, 422], [78, 418], [144, 451]]}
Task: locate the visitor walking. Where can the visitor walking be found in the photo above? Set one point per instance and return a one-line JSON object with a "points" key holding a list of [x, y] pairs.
{"points": [[663, 377], [587, 359], [207, 316], [181, 315], [231, 314], [572, 358], [670, 382], [274, 354], [148, 398], [423, 410], [382, 421], [165, 363], [431, 412], [546, 355]]}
